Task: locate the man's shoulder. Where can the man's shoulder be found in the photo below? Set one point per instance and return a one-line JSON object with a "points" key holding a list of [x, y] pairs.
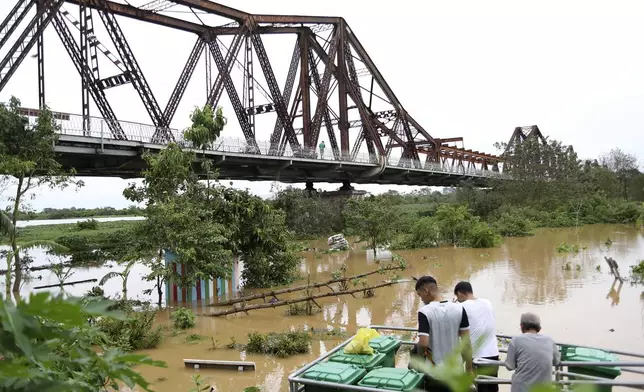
{"points": [[531, 337], [481, 302]]}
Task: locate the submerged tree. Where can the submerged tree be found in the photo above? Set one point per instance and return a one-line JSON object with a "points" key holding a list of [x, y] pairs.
{"points": [[372, 219], [27, 155], [206, 225]]}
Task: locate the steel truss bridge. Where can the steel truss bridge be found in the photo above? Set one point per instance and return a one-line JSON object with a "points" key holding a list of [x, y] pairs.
{"points": [[332, 86]]}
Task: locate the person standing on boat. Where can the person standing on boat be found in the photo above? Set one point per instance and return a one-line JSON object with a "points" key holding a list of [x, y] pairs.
{"points": [[482, 330], [531, 355], [441, 326]]}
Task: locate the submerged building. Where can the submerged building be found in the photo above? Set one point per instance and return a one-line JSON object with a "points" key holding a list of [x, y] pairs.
{"points": [[206, 290]]}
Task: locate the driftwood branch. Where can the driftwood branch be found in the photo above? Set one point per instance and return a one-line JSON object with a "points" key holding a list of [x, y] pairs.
{"points": [[65, 284], [303, 287], [245, 309], [38, 268], [614, 268]]}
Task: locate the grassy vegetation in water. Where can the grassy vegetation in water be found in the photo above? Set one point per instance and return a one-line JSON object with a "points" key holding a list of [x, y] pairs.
{"points": [[55, 232], [73, 212], [279, 344]]}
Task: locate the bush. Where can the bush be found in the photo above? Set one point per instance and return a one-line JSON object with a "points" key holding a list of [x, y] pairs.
{"points": [[136, 332], [424, 234], [483, 236], [183, 318], [637, 272], [90, 224], [279, 344], [512, 224]]}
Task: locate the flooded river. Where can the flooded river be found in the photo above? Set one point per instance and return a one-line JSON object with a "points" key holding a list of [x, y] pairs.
{"points": [[577, 305]]}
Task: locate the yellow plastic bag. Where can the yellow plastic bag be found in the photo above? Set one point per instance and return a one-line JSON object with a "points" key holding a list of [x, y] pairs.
{"points": [[360, 343]]}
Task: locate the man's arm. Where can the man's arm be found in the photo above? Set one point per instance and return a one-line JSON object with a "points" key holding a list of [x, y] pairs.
{"points": [[511, 357], [556, 355], [464, 333], [423, 334]]}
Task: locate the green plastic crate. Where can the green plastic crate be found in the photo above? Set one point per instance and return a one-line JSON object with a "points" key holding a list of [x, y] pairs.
{"points": [[393, 379], [582, 354], [340, 373], [387, 345], [368, 362]]}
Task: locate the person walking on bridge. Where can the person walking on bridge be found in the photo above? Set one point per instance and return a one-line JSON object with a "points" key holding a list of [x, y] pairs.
{"points": [[531, 355], [441, 327], [482, 330], [322, 147]]}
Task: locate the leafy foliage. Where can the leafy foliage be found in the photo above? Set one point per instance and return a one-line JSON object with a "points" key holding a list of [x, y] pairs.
{"points": [[637, 272], [183, 318], [279, 344], [27, 155], [89, 224], [133, 331], [309, 215], [206, 225], [206, 127], [49, 346], [372, 219]]}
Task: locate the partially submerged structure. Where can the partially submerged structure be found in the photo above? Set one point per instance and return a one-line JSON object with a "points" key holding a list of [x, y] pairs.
{"points": [[205, 290]]}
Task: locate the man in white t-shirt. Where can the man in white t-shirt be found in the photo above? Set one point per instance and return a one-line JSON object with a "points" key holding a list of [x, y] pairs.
{"points": [[482, 330]]}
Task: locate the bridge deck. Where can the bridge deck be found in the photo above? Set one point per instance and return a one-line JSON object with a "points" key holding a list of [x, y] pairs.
{"points": [[97, 153]]}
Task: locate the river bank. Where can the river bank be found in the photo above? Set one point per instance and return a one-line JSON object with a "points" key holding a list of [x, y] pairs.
{"points": [[522, 274], [51, 230]]}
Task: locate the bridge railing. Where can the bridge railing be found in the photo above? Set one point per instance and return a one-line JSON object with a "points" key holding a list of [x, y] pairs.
{"points": [[72, 124]]}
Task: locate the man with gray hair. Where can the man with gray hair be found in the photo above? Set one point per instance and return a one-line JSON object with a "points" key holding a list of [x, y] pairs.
{"points": [[531, 355]]}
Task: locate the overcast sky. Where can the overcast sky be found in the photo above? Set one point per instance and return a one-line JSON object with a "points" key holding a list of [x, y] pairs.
{"points": [[475, 69]]}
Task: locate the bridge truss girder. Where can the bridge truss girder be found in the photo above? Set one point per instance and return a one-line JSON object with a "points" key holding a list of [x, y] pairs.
{"points": [[333, 90]]}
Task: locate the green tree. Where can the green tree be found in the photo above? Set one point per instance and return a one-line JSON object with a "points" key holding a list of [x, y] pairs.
{"points": [[206, 127], [623, 165], [28, 156], [177, 220], [205, 225], [372, 219], [309, 215], [544, 173], [48, 345]]}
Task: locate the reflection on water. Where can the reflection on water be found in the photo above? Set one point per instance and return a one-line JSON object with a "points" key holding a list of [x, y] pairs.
{"points": [[524, 274]]}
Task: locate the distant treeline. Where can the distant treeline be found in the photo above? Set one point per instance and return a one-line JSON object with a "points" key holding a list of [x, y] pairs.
{"points": [[73, 212]]}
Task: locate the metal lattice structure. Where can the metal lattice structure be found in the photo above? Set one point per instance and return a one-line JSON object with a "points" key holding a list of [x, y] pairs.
{"points": [[333, 90]]}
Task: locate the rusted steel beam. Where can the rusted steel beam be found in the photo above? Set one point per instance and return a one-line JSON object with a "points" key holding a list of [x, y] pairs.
{"points": [[453, 152], [367, 121], [323, 92], [214, 8], [276, 136], [296, 19], [450, 139], [145, 16], [232, 30], [305, 88], [362, 53]]}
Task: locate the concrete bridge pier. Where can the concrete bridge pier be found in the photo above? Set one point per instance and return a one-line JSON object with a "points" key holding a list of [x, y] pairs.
{"points": [[310, 189]]}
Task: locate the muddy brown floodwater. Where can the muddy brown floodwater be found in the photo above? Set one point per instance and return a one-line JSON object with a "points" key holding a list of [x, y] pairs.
{"points": [[578, 306]]}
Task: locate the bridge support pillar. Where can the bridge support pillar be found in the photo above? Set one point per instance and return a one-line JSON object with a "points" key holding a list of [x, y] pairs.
{"points": [[346, 186], [310, 188]]}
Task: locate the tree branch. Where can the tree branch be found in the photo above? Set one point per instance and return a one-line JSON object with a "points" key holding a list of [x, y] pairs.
{"points": [[304, 287], [312, 298]]}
